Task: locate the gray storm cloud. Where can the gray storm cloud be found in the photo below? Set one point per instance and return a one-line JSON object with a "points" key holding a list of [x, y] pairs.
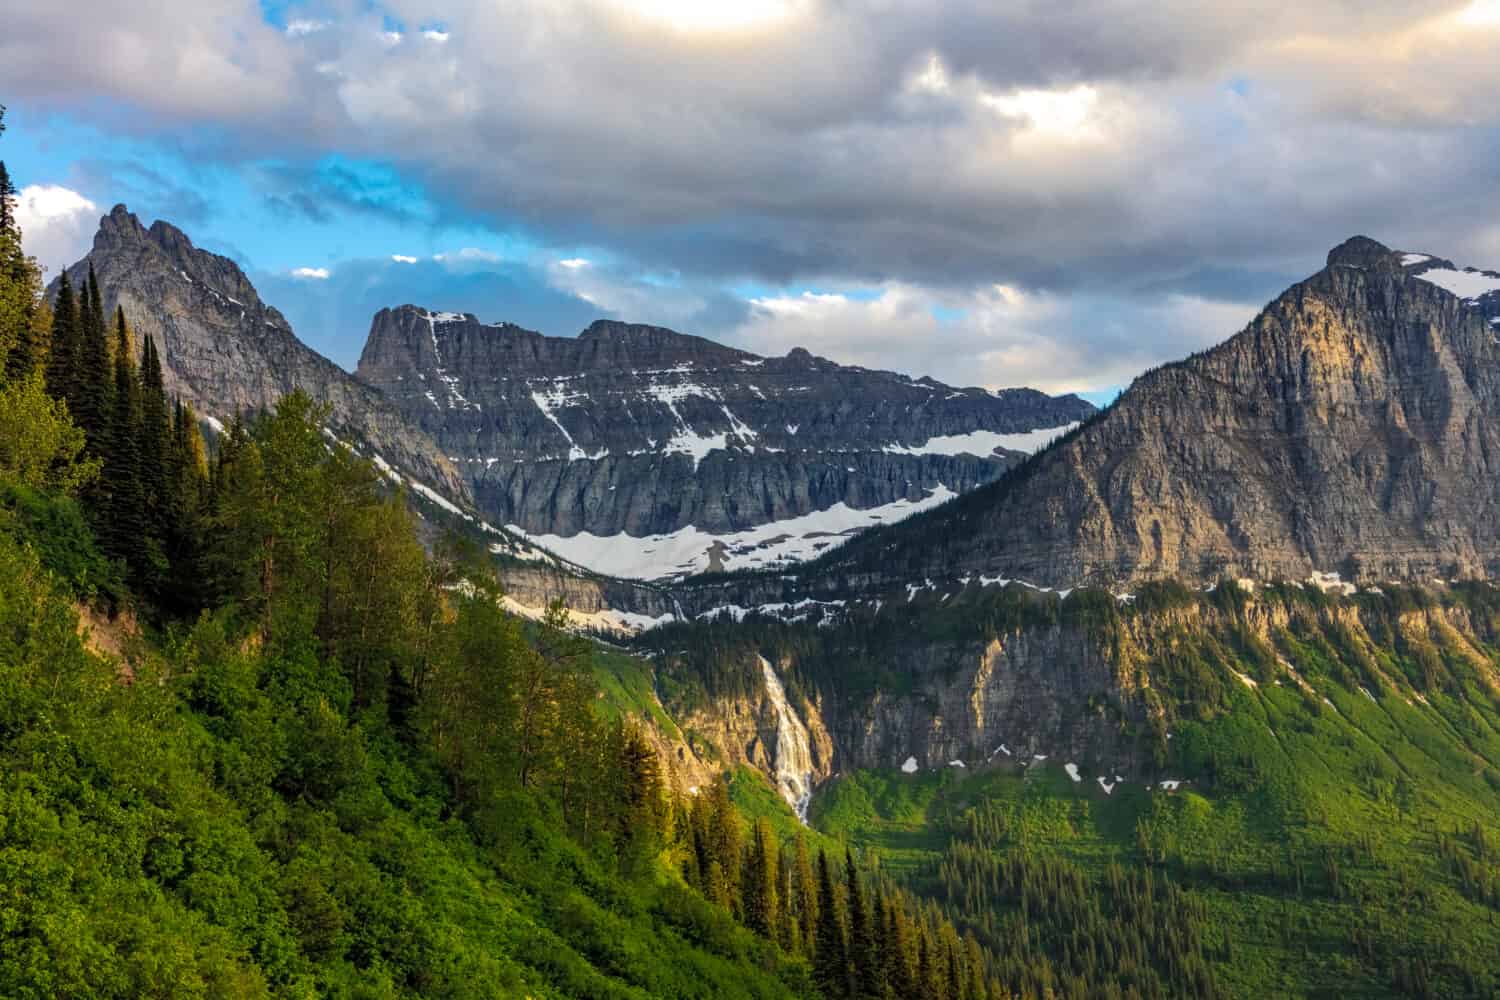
{"points": [[1098, 154]]}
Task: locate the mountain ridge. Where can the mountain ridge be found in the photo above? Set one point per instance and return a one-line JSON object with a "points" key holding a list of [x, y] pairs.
{"points": [[1297, 446], [630, 432], [229, 353]]}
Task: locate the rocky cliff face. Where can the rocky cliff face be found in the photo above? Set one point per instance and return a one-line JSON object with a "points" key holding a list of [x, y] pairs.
{"points": [[943, 687], [228, 353], [633, 431], [1351, 428]]}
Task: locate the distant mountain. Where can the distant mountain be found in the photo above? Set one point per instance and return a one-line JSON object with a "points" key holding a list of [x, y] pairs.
{"points": [[640, 451], [228, 353], [1352, 428]]}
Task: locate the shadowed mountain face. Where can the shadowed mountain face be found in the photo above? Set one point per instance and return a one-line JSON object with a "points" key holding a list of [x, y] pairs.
{"points": [[1350, 428], [228, 353], [638, 430]]}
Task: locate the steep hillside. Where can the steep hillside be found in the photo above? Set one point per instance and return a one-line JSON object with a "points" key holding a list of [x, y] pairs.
{"points": [[1351, 428], [643, 452]]}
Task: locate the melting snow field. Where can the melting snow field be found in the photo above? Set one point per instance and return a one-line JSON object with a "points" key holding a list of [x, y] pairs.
{"points": [[1464, 284], [982, 443], [690, 550], [608, 620]]}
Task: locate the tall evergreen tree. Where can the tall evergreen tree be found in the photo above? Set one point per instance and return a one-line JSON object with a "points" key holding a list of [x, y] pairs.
{"points": [[724, 842], [184, 510], [830, 958], [864, 963], [62, 358], [94, 383], [806, 890], [155, 435], [122, 527], [762, 905]]}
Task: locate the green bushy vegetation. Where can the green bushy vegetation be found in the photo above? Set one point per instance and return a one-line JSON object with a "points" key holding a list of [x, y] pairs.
{"points": [[1336, 839]]}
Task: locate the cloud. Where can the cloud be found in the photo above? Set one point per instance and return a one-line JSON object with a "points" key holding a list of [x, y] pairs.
{"points": [[315, 273], [1128, 170], [996, 337], [401, 258], [57, 224], [305, 26]]}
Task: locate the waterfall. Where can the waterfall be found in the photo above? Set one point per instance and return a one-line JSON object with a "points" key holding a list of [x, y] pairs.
{"points": [[793, 755]]}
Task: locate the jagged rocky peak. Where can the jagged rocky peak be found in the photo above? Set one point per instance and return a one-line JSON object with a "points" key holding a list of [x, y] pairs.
{"points": [[1361, 251], [1352, 428], [167, 251], [627, 430], [228, 353]]}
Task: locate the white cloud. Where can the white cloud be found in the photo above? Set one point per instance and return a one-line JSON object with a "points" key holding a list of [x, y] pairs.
{"points": [[573, 263], [401, 258], [998, 336], [305, 26], [434, 35], [57, 224], [313, 273]]}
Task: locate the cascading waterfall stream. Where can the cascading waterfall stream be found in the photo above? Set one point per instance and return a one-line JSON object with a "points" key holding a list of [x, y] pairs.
{"points": [[793, 757]]}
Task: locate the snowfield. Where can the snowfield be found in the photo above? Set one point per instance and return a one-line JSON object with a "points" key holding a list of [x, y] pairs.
{"points": [[692, 550]]}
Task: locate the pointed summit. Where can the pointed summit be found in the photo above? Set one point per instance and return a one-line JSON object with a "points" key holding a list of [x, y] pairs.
{"points": [[1361, 251], [226, 352]]}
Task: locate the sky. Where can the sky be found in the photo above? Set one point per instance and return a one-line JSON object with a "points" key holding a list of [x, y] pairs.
{"points": [[1057, 194]]}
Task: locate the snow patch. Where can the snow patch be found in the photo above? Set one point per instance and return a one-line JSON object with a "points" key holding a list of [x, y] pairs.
{"points": [[1331, 583], [955, 763], [609, 621], [1466, 284], [983, 443], [555, 399], [909, 766], [1072, 770], [692, 550]]}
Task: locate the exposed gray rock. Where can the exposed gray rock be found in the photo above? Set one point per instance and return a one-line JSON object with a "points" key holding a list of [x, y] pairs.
{"points": [[228, 353], [1351, 428], [641, 430]]}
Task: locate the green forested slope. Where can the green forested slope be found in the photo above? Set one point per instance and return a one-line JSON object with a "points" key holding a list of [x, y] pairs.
{"points": [[1335, 832]]}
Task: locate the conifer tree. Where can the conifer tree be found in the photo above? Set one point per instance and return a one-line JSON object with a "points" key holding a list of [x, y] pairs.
{"points": [[724, 842], [830, 959], [20, 289], [122, 527], [864, 964], [897, 954], [186, 498], [762, 907], [94, 383], [155, 436], [806, 891], [926, 985], [62, 358]]}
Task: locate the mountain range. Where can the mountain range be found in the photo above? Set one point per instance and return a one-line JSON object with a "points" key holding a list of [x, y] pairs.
{"points": [[632, 450]]}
